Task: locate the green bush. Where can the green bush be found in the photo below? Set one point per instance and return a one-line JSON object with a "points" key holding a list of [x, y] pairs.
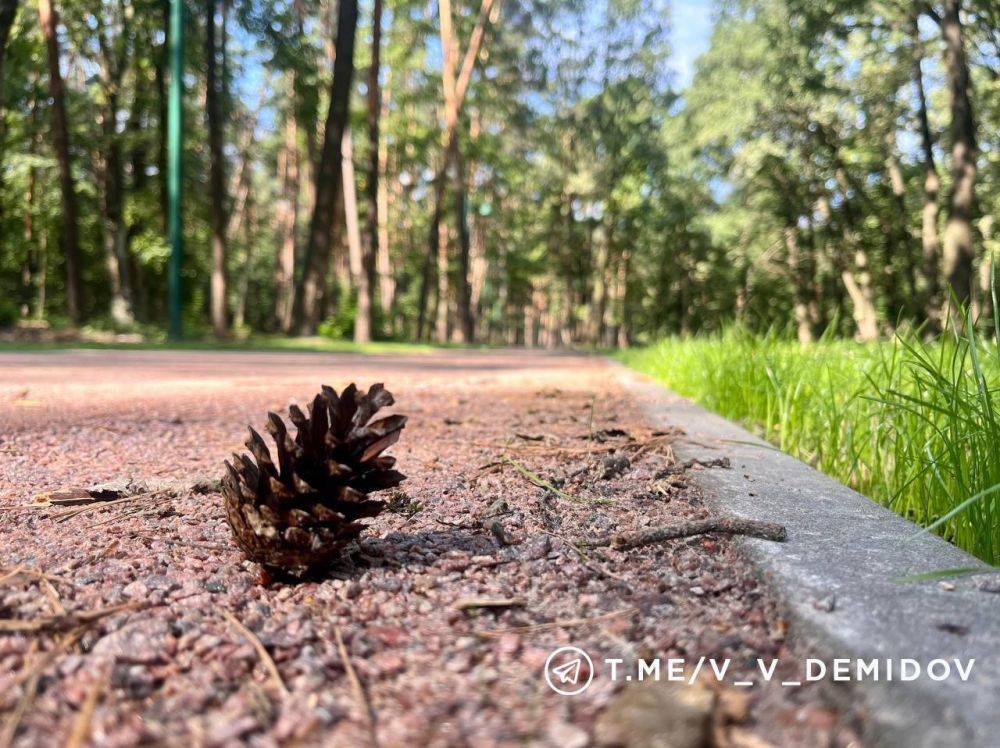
{"points": [[8, 313], [340, 325]]}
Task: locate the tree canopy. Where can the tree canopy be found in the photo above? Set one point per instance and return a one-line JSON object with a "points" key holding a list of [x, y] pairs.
{"points": [[508, 171]]}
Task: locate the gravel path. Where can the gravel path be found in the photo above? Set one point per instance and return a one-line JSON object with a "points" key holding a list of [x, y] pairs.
{"points": [[182, 669]]}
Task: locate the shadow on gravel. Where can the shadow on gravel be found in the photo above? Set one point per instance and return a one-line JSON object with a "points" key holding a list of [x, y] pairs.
{"points": [[398, 550]]}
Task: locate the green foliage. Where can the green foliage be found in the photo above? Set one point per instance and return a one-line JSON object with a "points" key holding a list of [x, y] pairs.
{"points": [[340, 326], [913, 425]]}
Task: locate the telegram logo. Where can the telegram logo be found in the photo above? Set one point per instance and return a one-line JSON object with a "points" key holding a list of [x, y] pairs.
{"points": [[569, 671]]}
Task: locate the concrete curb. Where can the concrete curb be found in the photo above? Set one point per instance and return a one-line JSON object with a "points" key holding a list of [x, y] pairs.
{"points": [[842, 546]]}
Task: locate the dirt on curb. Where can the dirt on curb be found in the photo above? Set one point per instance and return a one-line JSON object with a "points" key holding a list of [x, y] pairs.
{"points": [[436, 632]]}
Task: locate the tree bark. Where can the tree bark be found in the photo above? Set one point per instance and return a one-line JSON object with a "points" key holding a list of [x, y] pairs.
{"points": [[355, 248], [161, 100], [441, 321], [599, 297], [466, 320], [900, 295], [930, 244], [798, 271], [288, 215], [115, 230], [115, 53], [328, 176], [215, 92], [371, 247], [8, 12], [48, 18], [857, 281], [386, 277], [958, 247]]}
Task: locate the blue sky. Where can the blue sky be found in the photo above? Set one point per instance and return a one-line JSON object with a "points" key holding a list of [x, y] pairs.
{"points": [[691, 27]]}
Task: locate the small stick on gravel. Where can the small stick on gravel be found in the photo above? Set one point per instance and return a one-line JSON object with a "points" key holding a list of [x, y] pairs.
{"points": [[539, 481], [357, 687], [473, 603], [181, 541], [80, 733], [728, 525], [9, 572], [30, 677], [585, 560], [65, 621], [559, 624], [69, 513], [52, 595], [261, 650]]}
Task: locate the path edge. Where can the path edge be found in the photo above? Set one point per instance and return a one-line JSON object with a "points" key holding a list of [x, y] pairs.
{"points": [[844, 547]]}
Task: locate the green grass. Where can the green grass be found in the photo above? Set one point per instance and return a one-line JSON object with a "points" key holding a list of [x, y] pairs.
{"points": [[915, 426]]}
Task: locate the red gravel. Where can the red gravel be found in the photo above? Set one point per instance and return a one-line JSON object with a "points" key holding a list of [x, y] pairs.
{"points": [[177, 672]]}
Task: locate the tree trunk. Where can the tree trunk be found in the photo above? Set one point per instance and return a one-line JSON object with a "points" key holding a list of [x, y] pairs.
{"points": [[454, 95], [161, 100], [115, 230], [930, 245], [328, 177], [355, 249], [599, 297], [242, 211], [375, 164], [441, 321], [862, 299], [288, 215], [901, 295], [386, 277], [433, 249], [466, 320], [857, 280], [478, 264], [49, 20], [623, 336], [8, 12], [798, 271], [958, 248], [983, 308], [215, 93]]}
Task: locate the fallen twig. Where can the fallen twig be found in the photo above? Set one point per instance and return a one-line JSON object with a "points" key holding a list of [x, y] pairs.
{"points": [[729, 525], [585, 560], [531, 437], [181, 541], [80, 733], [559, 624], [52, 595], [70, 513], [720, 462], [10, 572], [74, 497], [474, 603], [357, 687], [30, 677], [539, 481], [261, 650], [65, 621]]}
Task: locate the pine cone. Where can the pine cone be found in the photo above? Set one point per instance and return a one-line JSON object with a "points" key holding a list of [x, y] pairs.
{"points": [[298, 515]]}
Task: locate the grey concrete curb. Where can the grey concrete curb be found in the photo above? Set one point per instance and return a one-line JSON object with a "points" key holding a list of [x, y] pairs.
{"points": [[843, 546]]}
